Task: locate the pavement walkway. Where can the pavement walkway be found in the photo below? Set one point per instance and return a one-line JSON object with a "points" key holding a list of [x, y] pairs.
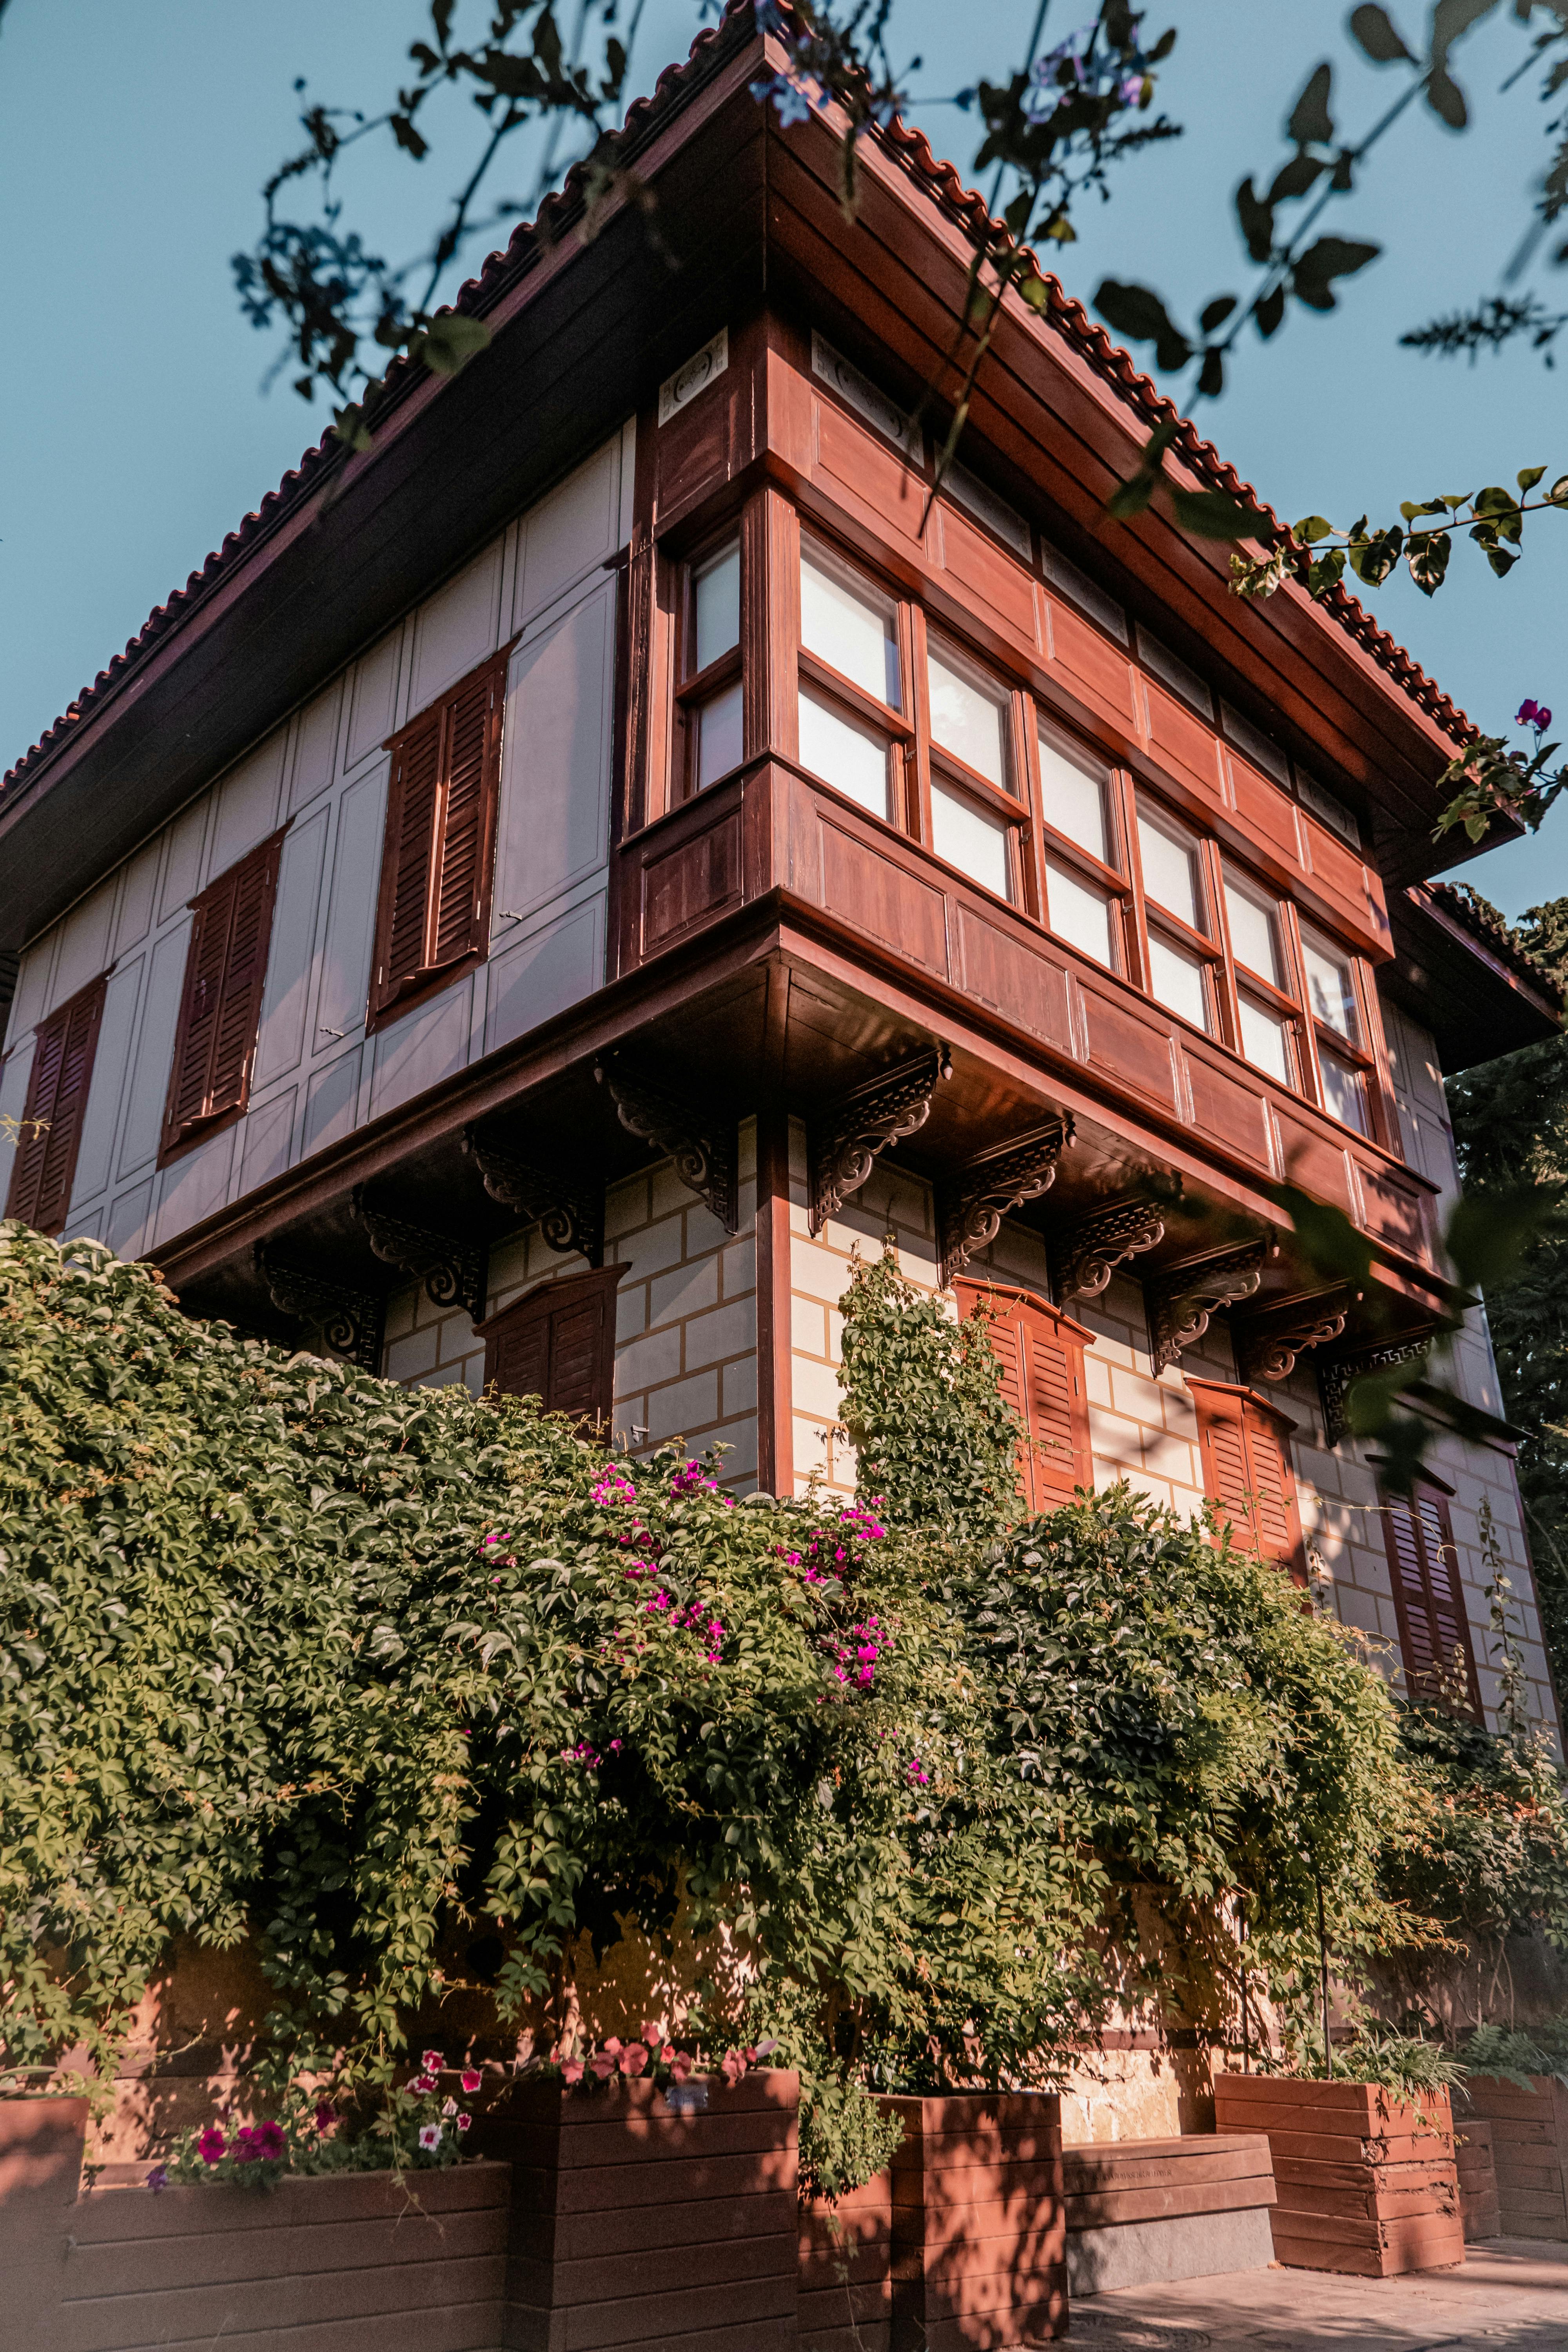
{"points": [[1509, 2295]]}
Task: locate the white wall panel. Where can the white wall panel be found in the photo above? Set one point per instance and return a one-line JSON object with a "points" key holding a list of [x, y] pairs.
{"points": [[155, 1049], [373, 699], [421, 1049], [83, 949], [127, 1234], [552, 968], [32, 986], [139, 885], [578, 524], [183, 859], [286, 1000], [456, 630], [316, 746], [15, 1071], [85, 1224], [106, 1095], [331, 1101], [554, 821], [264, 1141], [194, 1185], [248, 805], [351, 913]]}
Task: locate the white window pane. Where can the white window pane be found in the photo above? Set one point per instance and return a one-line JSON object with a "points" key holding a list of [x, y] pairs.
{"points": [[718, 607], [1344, 1093], [854, 632], [1177, 981], [966, 721], [1073, 802], [719, 745], [1254, 933], [1329, 988], [852, 758], [1263, 1041], [1078, 915], [1170, 871], [970, 839]]}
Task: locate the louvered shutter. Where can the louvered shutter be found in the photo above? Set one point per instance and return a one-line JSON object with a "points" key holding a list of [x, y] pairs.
{"points": [[1428, 1598], [558, 1344], [1040, 1353], [45, 1166], [1247, 1473], [433, 914], [220, 1012]]}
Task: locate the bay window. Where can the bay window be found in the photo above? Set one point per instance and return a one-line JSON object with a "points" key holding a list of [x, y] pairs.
{"points": [[710, 698], [1343, 1062]]}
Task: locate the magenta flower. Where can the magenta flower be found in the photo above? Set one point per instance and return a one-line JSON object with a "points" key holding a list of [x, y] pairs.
{"points": [[430, 2136], [472, 2079], [211, 2145], [270, 2141], [465, 2122], [325, 2116]]}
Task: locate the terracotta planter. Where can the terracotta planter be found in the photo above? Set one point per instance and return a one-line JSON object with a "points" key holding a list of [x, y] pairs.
{"points": [[633, 2224], [847, 2271], [979, 2238], [1475, 2164], [337, 2264], [1365, 2182], [1530, 2145]]}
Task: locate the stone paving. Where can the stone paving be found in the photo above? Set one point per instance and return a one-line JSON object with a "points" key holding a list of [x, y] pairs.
{"points": [[1510, 2295]]}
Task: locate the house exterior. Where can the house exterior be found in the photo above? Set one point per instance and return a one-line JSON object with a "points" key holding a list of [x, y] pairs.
{"points": [[556, 883]]}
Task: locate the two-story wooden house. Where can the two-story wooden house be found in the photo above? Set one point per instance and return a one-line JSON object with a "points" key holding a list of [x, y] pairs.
{"points": [[554, 883]]}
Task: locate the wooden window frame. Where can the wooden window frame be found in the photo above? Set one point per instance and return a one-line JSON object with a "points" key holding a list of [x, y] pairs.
{"points": [[1242, 1401], [1435, 1495], [1045, 1485], [392, 995], [539, 1305], [37, 1139], [184, 1132], [695, 687]]}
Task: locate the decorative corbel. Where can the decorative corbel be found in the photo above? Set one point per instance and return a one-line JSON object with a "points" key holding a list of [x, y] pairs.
{"points": [[972, 1204], [844, 1139], [1087, 1253], [348, 1319], [452, 1271], [1181, 1299], [1336, 1373], [702, 1149], [569, 1211], [1268, 1345]]}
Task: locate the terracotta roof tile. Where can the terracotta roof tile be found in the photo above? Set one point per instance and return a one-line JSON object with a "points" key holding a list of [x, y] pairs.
{"points": [[1465, 906], [942, 182]]}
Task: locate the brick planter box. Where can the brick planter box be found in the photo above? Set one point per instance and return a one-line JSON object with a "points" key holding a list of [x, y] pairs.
{"points": [[337, 2264], [1365, 2181], [847, 2271], [1530, 2145], [979, 2238], [1475, 2164], [632, 2225]]}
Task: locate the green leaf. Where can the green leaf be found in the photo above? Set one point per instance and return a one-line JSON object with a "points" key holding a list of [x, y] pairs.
{"points": [[1294, 178], [1139, 314], [1329, 258], [1527, 476], [1488, 1233], [449, 343], [1311, 527], [1427, 558], [1268, 312], [1215, 514], [1336, 1250], [1257, 218], [1372, 27], [1211, 375], [1310, 123], [1215, 314], [1446, 99]]}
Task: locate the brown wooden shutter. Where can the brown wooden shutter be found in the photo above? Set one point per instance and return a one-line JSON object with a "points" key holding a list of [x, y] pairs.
{"points": [[220, 1009], [1040, 1352], [433, 914], [1246, 1450], [558, 1344], [1428, 1598], [45, 1167]]}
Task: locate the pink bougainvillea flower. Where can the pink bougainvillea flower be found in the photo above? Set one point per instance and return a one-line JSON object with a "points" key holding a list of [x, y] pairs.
{"points": [[211, 2145], [423, 2084], [613, 2044], [471, 2079], [603, 2064], [429, 2135], [633, 2058], [432, 2061], [571, 2069], [681, 2063], [731, 2067], [464, 2123]]}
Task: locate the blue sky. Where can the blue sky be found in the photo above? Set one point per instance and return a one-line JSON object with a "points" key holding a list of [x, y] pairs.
{"points": [[134, 431]]}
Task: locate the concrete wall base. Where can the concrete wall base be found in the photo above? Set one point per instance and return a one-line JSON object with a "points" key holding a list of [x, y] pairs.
{"points": [[1190, 2245]]}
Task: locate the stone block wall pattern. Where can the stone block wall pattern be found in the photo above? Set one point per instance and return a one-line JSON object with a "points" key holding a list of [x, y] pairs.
{"points": [[1365, 2182], [634, 2225], [344, 2262]]}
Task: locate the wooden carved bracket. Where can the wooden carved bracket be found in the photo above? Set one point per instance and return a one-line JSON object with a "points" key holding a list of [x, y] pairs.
{"points": [[847, 1136], [1268, 1345], [1181, 1299], [972, 1204], [452, 1271], [348, 1320], [1087, 1253], [570, 1210], [1336, 1374], [703, 1149]]}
